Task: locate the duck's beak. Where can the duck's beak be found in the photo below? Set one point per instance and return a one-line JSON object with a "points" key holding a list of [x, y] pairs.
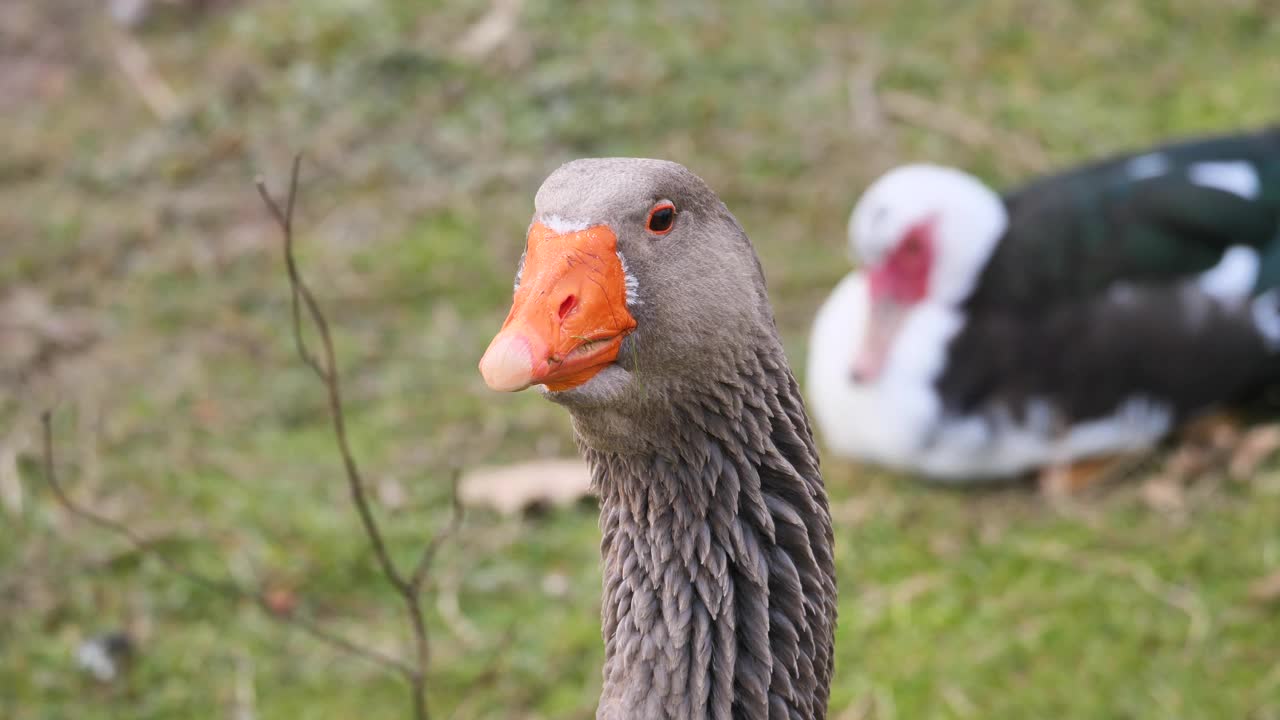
{"points": [[885, 316], [884, 320], [569, 314]]}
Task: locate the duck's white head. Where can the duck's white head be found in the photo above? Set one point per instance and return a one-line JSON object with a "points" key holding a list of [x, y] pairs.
{"points": [[923, 234]]}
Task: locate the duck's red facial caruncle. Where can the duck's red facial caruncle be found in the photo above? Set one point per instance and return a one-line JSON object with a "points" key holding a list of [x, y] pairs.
{"points": [[897, 283], [569, 314]]}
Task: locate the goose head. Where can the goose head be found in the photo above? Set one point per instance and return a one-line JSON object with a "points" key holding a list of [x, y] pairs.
{"points": [[635, 281], [923, 234]]}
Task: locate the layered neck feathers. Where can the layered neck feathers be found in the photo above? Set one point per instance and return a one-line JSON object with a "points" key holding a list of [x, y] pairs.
{"points": [[719, 584]]}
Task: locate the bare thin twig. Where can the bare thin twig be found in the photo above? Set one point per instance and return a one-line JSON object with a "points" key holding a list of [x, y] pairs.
{"points": [[284, 218], [222, 587], [325, 367]]}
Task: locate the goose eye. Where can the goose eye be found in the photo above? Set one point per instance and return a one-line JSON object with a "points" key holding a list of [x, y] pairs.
{"points": [[661, 218]]}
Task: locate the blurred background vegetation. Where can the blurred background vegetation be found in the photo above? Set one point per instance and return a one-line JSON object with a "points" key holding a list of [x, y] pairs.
{"points": [[142, 293]]}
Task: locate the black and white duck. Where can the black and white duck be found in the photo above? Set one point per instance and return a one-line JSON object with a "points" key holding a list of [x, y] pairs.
{"points": [[1083, 315]]}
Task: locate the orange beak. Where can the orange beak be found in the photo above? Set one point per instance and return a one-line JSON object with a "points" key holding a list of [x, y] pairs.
{"points": [[569, 315]]}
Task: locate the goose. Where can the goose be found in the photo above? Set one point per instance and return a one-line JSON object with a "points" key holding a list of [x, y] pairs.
{"points": [[640, 306], [1078, 318]]}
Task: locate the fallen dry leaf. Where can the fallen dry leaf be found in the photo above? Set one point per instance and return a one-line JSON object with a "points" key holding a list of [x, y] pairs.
{"points": [[32, 332], [490, 31], [1266, 589], [1164, 493], [511, 489], [1254, 448]]}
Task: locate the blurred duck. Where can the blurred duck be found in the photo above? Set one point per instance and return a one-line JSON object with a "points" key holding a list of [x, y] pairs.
{"points": [[1080, 317]]}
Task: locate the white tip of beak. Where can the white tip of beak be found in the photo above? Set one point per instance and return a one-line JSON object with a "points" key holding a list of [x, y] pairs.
{"points": [[507, 366]]}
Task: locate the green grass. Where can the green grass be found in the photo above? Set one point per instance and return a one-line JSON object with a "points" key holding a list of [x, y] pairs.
{"points": [[191, 420]]}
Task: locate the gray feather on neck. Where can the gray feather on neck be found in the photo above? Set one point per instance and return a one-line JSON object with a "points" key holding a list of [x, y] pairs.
{"points": [[719, 591]]}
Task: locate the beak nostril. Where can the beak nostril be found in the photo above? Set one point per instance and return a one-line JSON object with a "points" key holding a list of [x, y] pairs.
{"points": [[568, 305]]}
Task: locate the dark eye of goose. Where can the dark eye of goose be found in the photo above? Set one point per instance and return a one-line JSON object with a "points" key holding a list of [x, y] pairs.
{"points": [[661, 218]]}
